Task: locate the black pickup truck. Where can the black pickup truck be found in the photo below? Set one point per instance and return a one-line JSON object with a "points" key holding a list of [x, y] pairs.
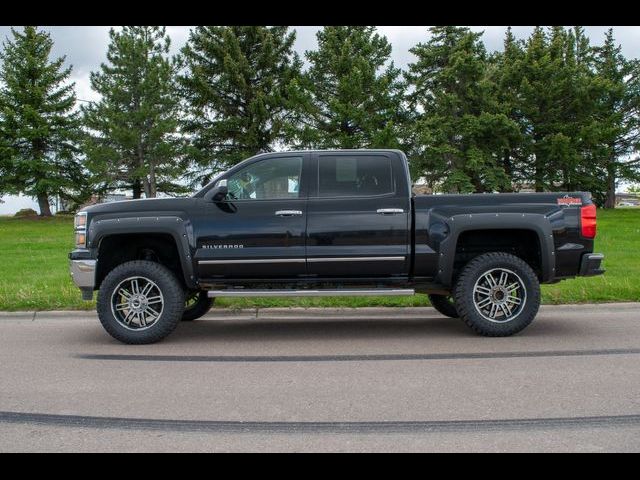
{"points": [[314, 223]]}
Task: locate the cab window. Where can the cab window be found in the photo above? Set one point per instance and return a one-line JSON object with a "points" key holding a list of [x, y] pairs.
{"points": [[352, 176], [269, 179]]}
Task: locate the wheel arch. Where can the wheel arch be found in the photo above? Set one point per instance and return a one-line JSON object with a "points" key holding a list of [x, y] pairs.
{"points": [[117, 240], [464, 225]]}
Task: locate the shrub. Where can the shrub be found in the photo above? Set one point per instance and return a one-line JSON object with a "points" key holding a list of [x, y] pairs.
{"points": [[26, 212]]}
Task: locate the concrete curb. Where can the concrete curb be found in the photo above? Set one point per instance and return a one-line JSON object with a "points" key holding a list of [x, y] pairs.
{"points": [[312, 312]]}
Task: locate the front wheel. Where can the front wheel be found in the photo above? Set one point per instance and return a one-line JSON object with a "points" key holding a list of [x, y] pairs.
{"points": [[140, 302], [497, 294]]}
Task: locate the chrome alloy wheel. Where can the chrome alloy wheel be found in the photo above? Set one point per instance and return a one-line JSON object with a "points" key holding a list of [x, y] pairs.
{"points": [[499, 295], [137, 303]]}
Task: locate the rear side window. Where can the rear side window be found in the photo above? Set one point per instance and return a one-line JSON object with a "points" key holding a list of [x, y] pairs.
{"points": [[354, 176]]}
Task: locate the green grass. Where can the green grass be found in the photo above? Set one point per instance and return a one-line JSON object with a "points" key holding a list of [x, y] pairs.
{"points": [[618, 237], [34, 272]]}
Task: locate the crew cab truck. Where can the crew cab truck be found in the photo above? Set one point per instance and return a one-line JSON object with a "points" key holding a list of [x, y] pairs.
{"points": [[312, 223]]}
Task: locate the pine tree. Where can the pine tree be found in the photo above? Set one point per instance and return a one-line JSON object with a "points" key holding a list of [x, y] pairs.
{"points": [[351, 96], [133, 137], [38, 126], [461, 132], [237, 88], [505, 71], [618, 114], [556, 98]]}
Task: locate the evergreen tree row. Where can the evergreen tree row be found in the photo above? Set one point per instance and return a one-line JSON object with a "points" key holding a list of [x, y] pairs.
{"points": [[551, 112]]}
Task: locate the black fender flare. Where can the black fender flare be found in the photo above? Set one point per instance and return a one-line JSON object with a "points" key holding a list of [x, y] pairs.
{"points": [[180, 230], [457, 224]]}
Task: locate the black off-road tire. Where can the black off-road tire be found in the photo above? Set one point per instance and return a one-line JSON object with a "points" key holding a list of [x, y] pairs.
{"points": [[199, 308], [444, 304], [173, 298], [465, 298]]}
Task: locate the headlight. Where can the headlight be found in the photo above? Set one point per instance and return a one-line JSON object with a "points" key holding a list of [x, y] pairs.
{"points": [[80, 224]]}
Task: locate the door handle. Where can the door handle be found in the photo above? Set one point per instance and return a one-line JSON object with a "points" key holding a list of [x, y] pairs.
{"points": [[389, 211], [289, 213]]}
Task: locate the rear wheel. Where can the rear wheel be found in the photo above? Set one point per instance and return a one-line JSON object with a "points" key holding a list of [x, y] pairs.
{"points": [[196, 304], [497, 294], [140, 302], [444, 304]]}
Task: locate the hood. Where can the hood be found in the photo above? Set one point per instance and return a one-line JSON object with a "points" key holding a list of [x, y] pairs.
{"points": [[155, 205]]}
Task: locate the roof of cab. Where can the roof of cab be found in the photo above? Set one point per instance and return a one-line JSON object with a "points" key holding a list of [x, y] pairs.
{"points": [[333, 150]]}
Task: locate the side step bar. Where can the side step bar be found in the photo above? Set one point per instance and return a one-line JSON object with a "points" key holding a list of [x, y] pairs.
{"points": [[342, 292]]}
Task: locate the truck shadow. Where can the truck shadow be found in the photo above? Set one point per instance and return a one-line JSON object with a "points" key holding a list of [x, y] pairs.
{"points": [[317, 329], [310, 329], [313, 330]]}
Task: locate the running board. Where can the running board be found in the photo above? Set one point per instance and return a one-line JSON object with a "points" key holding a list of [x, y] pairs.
{"points": [[342, 292]]}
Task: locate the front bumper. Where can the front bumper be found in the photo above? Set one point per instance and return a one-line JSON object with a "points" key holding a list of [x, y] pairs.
{"points": [[83, 274], [590, 265]]}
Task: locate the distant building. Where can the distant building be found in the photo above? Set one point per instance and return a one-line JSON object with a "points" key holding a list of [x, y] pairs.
{"points": [[624, 199], [108, 198], [116, 197]]}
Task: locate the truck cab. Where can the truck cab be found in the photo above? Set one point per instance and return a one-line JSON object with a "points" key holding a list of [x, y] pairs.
{"points": [[331, 215]]}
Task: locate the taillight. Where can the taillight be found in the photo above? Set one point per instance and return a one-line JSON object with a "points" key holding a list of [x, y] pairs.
{"points": [[588, 221]]}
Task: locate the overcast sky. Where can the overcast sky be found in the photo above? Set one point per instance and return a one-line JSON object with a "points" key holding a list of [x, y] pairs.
{"points": [[85, 48]]}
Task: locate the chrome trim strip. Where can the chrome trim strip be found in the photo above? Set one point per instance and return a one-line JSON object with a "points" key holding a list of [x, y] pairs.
{"points": [[356, 259], [262, 260], [342, 292], [300, 260]]}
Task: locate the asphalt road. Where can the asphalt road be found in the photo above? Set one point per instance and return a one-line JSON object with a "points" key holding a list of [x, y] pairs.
{"points": [[324, 380]]}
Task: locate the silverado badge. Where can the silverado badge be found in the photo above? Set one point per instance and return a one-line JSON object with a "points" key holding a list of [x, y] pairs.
{"points": [[567, 200]]}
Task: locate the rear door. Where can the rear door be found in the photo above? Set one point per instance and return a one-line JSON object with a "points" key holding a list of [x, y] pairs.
{"points": [[358, 216], [259, 230]]}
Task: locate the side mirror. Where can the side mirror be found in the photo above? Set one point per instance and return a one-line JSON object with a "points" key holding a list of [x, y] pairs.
{"points": [[219, 192]]}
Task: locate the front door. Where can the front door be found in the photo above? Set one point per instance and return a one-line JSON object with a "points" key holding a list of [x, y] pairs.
{"points": [[259, 230]]}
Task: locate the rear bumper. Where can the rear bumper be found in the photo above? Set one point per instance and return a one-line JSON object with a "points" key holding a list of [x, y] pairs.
{"points": [[590, 265]]}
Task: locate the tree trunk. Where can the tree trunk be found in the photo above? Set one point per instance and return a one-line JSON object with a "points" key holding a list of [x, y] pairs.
{"points": [[137, 188], [43, 203], [508, 169], [152, 180], [539, 167], [145, 184], [145, 178], [610, 201], [539, 174], [477, 184]]}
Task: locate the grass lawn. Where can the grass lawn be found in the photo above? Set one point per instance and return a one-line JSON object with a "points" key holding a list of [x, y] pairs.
{"points": [[34, 271]]}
